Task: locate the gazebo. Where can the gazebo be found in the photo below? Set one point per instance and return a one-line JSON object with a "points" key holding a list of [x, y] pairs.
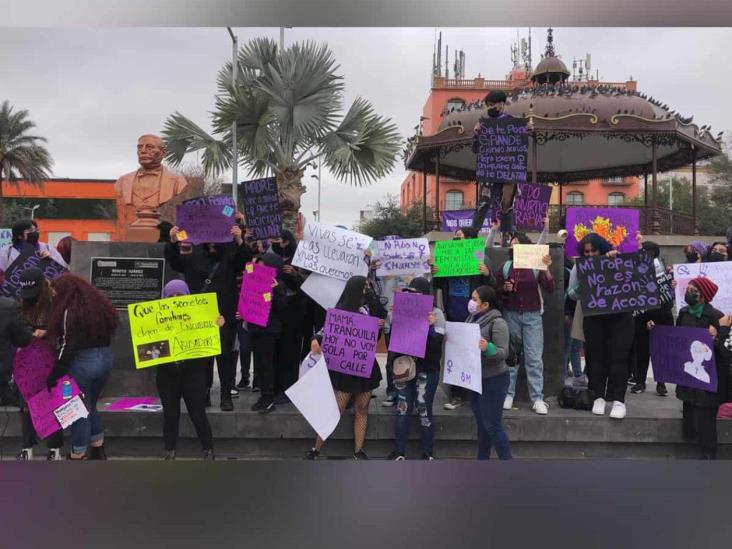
{"points": [[582, 130]]}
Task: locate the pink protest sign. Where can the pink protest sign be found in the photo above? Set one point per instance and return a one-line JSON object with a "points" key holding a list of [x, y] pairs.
{"points": [[42, 405], [255, 299], [409, 325], [125, 403], [31, 366], [349, 342]]}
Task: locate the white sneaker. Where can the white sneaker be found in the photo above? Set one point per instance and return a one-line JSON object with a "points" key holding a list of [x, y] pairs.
{"points": [[598, 408], [618, 411], [540, 407], [508, 403]]}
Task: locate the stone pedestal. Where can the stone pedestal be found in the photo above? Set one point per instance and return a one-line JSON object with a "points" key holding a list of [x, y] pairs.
{"points": [[124, 380]]}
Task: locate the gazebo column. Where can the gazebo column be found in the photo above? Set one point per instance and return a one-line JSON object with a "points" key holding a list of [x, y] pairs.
{"points": [[559, 221], [656, 227], [534, 158], [645, 203], [437, 188], [693, 190], [424, 201]]}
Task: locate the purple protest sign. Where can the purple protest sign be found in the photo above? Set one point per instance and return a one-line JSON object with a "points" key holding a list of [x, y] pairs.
{"points": [[349, 342], [503, 149], [255, 298], [42, 405], [619, 226], [29, 257], [453, 220], [409, 324], [31, 367], [262, 207], [205, 219], [684, 356], [530, 206]]}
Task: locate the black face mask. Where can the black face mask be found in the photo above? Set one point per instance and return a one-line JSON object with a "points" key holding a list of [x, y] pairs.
{"points": [[32, 238], [716, 256], [692, 257], [30, 301], [691, 298], [494, 112]]}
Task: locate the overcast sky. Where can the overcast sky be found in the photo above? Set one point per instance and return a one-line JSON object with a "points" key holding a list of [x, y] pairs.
{"points": [[93, 92]]}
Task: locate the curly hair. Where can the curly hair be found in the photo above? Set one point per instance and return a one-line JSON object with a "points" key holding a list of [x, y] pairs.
{"points": [[91, 317]]}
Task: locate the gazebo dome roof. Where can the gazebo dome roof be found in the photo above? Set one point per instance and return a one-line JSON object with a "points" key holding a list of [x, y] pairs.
{"points": [[550, 65]]}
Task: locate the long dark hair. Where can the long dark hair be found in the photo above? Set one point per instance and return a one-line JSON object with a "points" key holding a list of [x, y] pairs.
{"points": [[64, 248], [597, 242], [287, 252], [352, 297], [90, 316], [36, 312]]}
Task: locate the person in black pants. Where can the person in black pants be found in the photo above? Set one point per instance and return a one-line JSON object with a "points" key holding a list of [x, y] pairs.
{"points": [[213, 268], [184, 379]]}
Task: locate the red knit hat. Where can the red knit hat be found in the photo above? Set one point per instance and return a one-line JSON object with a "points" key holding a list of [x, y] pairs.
{"points": [[707, 288]]}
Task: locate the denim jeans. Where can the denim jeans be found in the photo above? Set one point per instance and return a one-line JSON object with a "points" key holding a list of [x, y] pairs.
{"points": [[419, 391], [90, 369], [488, 411], [530, 328], [572, 349]]}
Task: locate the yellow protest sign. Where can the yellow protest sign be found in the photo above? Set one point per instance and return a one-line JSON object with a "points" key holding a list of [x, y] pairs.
{"points": [[173, 329]]}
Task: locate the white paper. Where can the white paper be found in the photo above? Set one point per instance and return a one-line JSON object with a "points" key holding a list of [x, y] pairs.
{"points": [[147, 408], [462, 356], [311, 360], [530, 256], [408, 256], [718, 272], [314, 397], [71, 411], [332, 252], [325, 291]]}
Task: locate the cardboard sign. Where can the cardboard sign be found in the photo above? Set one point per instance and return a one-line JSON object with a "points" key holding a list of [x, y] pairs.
{"points": [[314, 397], [619, 226], [530, 256], [618, 284], [684, 356], [530, 206], [173, 329], [325, 291], [255, 298], [29, 257], [70, 412], [407, 256], [453, 220], [459, 257], [349, 342], [43, 404], [462, 356], [332, 252], [503, 150], [262, 207], [31, 367], [204, 219], [409, 324], [718, 272]]}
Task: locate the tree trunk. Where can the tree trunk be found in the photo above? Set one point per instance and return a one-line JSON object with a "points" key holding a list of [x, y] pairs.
{"points": [[290, 189]]}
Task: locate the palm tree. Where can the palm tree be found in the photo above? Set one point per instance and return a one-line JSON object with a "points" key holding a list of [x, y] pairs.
{"points": [[21, 155], [287, 107]]}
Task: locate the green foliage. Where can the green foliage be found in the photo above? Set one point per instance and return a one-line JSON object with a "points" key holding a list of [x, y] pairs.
{"points": [[389, 219]]}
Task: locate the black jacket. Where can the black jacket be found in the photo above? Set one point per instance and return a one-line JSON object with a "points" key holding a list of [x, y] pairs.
{"points": [[14, 332]]}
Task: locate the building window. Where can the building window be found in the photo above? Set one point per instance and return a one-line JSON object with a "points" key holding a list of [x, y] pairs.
{"points": [[615, 180], [455, 104], [575, 198], [453, 200], [615, 199]]}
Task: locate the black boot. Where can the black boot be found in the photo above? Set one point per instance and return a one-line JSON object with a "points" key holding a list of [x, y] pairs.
{"points": [[97, 453]]}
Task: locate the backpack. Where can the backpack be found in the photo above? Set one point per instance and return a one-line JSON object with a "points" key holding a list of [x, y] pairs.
{"points": [[576, 399], [515, 347]]}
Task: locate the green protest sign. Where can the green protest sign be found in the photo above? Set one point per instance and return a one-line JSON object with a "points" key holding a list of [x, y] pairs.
{"points": [[459, 257]]}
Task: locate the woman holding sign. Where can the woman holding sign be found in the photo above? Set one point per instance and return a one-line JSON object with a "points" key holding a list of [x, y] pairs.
{"points": [[354, 300]]}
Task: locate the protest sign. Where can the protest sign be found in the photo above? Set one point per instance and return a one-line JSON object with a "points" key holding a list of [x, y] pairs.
{"points": [[255, 298], [173, 329], [453, 220], [314, 397], [71, 411], [349, 342], [29, 257], [619, 226], [262, 207], [325, 291], [128, 403], [403, 257], [665, 290], [6, 237], [618, 284], [459, 257], [503, 148], [719, 272], [31, 367], [409, 324], [462, 356], [530, 256], [206, 219], [530, 206], [41, 406], [684, 356], [310, 360], [331, 251]]}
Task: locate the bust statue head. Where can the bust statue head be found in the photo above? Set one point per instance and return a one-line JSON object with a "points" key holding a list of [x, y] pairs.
{"points": [[150, 151]]}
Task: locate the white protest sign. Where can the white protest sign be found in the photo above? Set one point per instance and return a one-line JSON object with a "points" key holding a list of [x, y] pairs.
{"points": [[314, 397], [332, 252], [6, 237], [325, 291], [719, 272], [462, 356], [71, 411], [311, 360], [406, 256], [530, 256]]}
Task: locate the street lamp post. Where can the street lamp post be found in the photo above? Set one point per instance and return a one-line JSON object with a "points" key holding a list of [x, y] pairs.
{"points": [[234, 139], [318, 178], [32, 210]]}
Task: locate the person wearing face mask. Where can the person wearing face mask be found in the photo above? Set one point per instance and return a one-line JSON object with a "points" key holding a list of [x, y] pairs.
{"points": [[699, 419], [695, 251], [717, 252], [494, 340], [214, 268], [26, 233]]}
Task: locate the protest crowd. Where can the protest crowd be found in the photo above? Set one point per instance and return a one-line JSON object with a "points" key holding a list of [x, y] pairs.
{"points": [[293, 312]]}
